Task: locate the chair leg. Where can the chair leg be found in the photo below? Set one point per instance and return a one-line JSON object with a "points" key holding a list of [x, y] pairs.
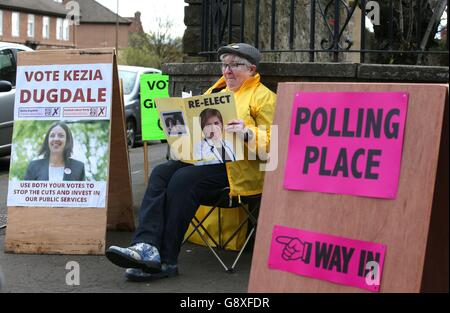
{"points": [[228, 269], [219, 226], [251, 219], [252, 209], [236, 231], [200, 224], [243, 247], [212, 250], [196, 227]]}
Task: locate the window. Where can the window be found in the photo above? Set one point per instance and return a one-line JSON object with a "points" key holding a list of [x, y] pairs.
{"points": [[59, 28], [128, 80], [1, 22], [66, 30], [30, 27], [45, 27], [15, 26], [7, 66]]}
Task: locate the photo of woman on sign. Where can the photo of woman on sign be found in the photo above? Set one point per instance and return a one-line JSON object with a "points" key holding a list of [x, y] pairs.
{"points": [[56, 164], [213, 149]]}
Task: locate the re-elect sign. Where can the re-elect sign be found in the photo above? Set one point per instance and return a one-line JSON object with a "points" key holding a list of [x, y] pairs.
{"points": [[346, 142], [335, 259], [152, 86]]}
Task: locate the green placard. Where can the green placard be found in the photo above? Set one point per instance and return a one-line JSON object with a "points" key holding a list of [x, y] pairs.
{"points": [[152, 86]]}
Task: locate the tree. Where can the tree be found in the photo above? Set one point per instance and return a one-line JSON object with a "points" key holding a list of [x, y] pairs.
{"points": [[409, 30], [154, 48]]}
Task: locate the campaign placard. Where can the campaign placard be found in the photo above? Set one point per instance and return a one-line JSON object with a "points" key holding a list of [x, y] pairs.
{"points": [[195, 128], [346, 143], [60, 146], [335, 259], [152, 86]]}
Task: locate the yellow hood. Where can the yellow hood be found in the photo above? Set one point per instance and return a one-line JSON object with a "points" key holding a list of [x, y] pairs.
{"points": [[255, 105]]}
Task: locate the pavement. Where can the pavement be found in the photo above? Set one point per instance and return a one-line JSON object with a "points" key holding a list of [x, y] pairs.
{"points": [[199, 270]]}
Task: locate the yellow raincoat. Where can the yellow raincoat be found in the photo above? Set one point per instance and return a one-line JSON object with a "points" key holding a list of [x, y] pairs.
{"points": [[255, 106]]}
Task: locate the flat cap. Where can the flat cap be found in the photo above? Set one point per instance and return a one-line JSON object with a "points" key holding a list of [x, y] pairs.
{"points": [[243, 50]]}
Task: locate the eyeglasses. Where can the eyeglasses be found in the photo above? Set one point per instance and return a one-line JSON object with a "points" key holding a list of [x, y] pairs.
{"points": [[232, 66]]}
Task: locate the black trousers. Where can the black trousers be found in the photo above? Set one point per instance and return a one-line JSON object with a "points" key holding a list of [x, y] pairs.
{"points": [[173, 195]]}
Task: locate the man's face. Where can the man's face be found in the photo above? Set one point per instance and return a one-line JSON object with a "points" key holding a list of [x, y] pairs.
{"points": [[235, 73]]}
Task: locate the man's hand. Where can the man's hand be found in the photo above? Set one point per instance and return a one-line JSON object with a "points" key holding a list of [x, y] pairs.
{"points": [[238, 127]]}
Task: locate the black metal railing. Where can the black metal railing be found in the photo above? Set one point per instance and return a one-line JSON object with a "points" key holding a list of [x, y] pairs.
{"points": [[333, 17]]}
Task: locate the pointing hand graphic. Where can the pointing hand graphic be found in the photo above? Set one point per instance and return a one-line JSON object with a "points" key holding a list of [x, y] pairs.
{"points": [[294, 248]]}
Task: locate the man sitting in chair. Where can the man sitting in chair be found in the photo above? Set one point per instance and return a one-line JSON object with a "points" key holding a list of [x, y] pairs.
{"points": [[176, 188]]}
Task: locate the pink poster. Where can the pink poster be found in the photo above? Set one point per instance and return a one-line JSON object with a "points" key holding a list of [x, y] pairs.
{"points": [[338, 260], [346, 143]]}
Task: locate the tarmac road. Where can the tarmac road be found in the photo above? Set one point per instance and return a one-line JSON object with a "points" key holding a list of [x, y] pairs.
{"points": [[199, 270], [4, 168]]}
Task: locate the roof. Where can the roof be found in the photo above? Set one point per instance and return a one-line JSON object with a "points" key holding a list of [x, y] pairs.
{"points": [[10, 45], [93, 12], [48, 7], [90, 10], [138, 69]]}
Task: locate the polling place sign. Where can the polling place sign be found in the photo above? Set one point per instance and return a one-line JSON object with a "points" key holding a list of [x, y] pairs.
{"points": [[152, 86], [335, 259], [346, 143], [401, 224]]}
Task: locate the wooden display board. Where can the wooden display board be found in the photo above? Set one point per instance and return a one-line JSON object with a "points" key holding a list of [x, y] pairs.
{"points": [[413, 226], [78, 230]]}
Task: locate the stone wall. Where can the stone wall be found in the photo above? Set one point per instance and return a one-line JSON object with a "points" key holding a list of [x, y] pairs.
{"points": [[301, 28], [199, 76], [261, 27], [192, 35]]}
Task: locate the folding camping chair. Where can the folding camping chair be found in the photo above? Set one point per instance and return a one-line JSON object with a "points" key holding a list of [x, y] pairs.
{"points": [[250, 205]]}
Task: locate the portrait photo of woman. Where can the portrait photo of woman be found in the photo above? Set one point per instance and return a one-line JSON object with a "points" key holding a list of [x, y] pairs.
{"points": [[213, 148], [56, 163]]}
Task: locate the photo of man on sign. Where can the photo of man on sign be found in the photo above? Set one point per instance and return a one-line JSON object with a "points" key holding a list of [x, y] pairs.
{"points": [[174, 123]]}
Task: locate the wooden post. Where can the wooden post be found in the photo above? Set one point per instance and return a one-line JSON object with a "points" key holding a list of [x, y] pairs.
{"points": [[145, 163], [120, 208]]}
